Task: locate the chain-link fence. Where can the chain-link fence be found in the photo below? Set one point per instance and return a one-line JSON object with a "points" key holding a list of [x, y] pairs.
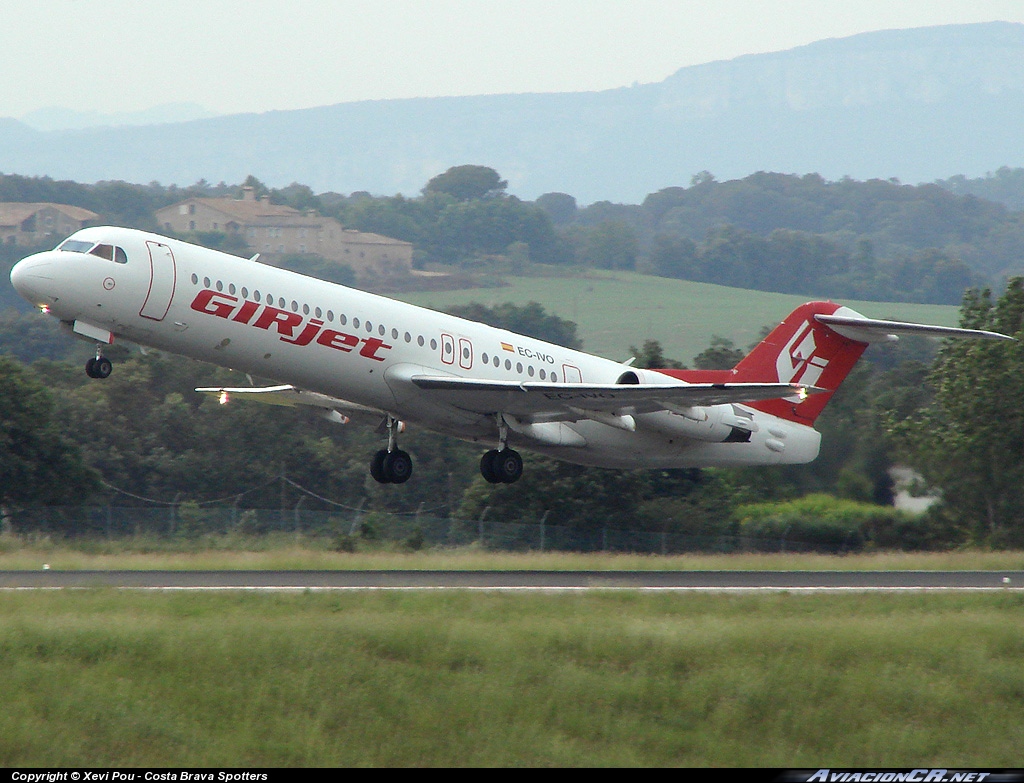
{"points": [[349, 529]]}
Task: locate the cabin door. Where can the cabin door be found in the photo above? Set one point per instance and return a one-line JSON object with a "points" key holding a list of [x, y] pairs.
{"points": [[162, 279]]}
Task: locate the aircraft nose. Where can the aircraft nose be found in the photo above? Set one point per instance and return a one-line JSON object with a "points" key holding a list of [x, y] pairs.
{"points": [[32, 278]]}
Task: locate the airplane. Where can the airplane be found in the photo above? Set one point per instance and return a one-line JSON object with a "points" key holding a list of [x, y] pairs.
{"points": [[353, 355]]}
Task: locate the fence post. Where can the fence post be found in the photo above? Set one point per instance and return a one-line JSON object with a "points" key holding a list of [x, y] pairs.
{"points": [[174, 508], [298, 518], [356, 517], [543, 529], [480, 525]]}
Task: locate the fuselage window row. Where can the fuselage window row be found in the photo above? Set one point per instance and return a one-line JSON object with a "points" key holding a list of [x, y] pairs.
{"points": [[447, 348]]}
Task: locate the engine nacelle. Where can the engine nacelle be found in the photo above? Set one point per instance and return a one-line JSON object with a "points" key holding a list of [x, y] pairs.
{"points": [[711, 423]]}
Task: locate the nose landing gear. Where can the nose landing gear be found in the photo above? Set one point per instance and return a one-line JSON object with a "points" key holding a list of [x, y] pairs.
{"points": [[99, 366]]}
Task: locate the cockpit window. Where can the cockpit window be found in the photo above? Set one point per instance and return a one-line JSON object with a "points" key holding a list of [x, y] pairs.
{"points": [[110, 252], [75, 246]]}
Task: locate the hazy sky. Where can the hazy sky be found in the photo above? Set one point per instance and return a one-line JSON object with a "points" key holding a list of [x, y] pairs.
{"points": [[258, 55]]}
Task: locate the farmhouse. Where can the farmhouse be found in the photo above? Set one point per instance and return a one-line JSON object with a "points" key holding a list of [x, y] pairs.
{"points": [[33, 224], [276, 230]]}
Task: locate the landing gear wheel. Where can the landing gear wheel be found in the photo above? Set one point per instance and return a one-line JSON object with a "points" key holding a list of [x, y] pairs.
{"points": [[501, 467], [508, 466], [377, 467], [487, 467], [98, 367], [398, 466]]}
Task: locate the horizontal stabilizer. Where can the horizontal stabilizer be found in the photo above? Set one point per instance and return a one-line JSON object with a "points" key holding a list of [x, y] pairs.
{"points": [[867, 330]]}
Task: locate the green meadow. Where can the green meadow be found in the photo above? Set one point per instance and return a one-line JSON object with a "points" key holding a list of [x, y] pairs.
{"points": [[290, 552], [468, 678], [615, 310]]}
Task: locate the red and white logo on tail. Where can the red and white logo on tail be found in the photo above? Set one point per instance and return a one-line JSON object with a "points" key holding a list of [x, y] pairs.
{"points": [[797, 362], [801, 350]]}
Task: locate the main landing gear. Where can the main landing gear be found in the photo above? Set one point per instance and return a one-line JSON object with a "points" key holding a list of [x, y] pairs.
{"points": [[99, 366], [501, 465], [391, 465]]}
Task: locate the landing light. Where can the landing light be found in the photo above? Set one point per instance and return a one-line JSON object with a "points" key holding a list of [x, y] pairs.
{"points": [[224, 398], [44, 309]]}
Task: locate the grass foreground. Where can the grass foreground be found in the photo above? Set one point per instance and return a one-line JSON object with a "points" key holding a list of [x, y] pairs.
{"points": [[287, 552], [465, 678]]}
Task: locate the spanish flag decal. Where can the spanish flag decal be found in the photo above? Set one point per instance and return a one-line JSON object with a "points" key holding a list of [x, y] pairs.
{"points": [[507, 347]]}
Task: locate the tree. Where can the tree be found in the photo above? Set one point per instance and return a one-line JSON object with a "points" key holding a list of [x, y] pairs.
{"points": [[970, 442], [37, 465], [561, 207], [722, 354], [467, 183], [530, 319], [652, 356]]}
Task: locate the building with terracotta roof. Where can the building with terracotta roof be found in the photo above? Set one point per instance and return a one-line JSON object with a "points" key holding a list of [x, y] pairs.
{"points": [[36, 223], [276, 230]]}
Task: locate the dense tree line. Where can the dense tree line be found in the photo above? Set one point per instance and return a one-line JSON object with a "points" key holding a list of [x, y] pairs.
{"points": [[877, 239]]}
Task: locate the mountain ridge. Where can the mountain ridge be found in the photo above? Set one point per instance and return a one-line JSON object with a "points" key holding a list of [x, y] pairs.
{"points": [[919, 105]]}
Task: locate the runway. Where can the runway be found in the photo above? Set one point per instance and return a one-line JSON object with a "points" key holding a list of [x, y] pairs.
{"points": [[518, 580]]}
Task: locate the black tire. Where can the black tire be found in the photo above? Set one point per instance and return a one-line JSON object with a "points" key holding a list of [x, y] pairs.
{"points": [[90, 367], [377, 467], [398, 466], [508, 466], [103, 367], [487, 467]]}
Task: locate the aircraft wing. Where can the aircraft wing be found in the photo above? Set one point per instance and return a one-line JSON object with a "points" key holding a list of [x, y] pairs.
{"points": [[291, 397], [571, 401]]}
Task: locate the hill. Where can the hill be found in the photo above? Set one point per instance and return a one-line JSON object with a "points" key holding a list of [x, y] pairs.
{"points": [[915, 104], [615, 310]]}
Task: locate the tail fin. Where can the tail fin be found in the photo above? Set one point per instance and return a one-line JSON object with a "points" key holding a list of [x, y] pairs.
{"points": [[802, 350], [799, 350], [817, 344]]}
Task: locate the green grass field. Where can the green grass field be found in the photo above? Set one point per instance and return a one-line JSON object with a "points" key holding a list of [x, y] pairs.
{"points": [[416, 679], [286, 552], [617, 309]]}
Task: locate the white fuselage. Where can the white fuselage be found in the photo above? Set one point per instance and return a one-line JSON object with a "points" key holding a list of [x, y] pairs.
{"points": [[360, 347]]}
